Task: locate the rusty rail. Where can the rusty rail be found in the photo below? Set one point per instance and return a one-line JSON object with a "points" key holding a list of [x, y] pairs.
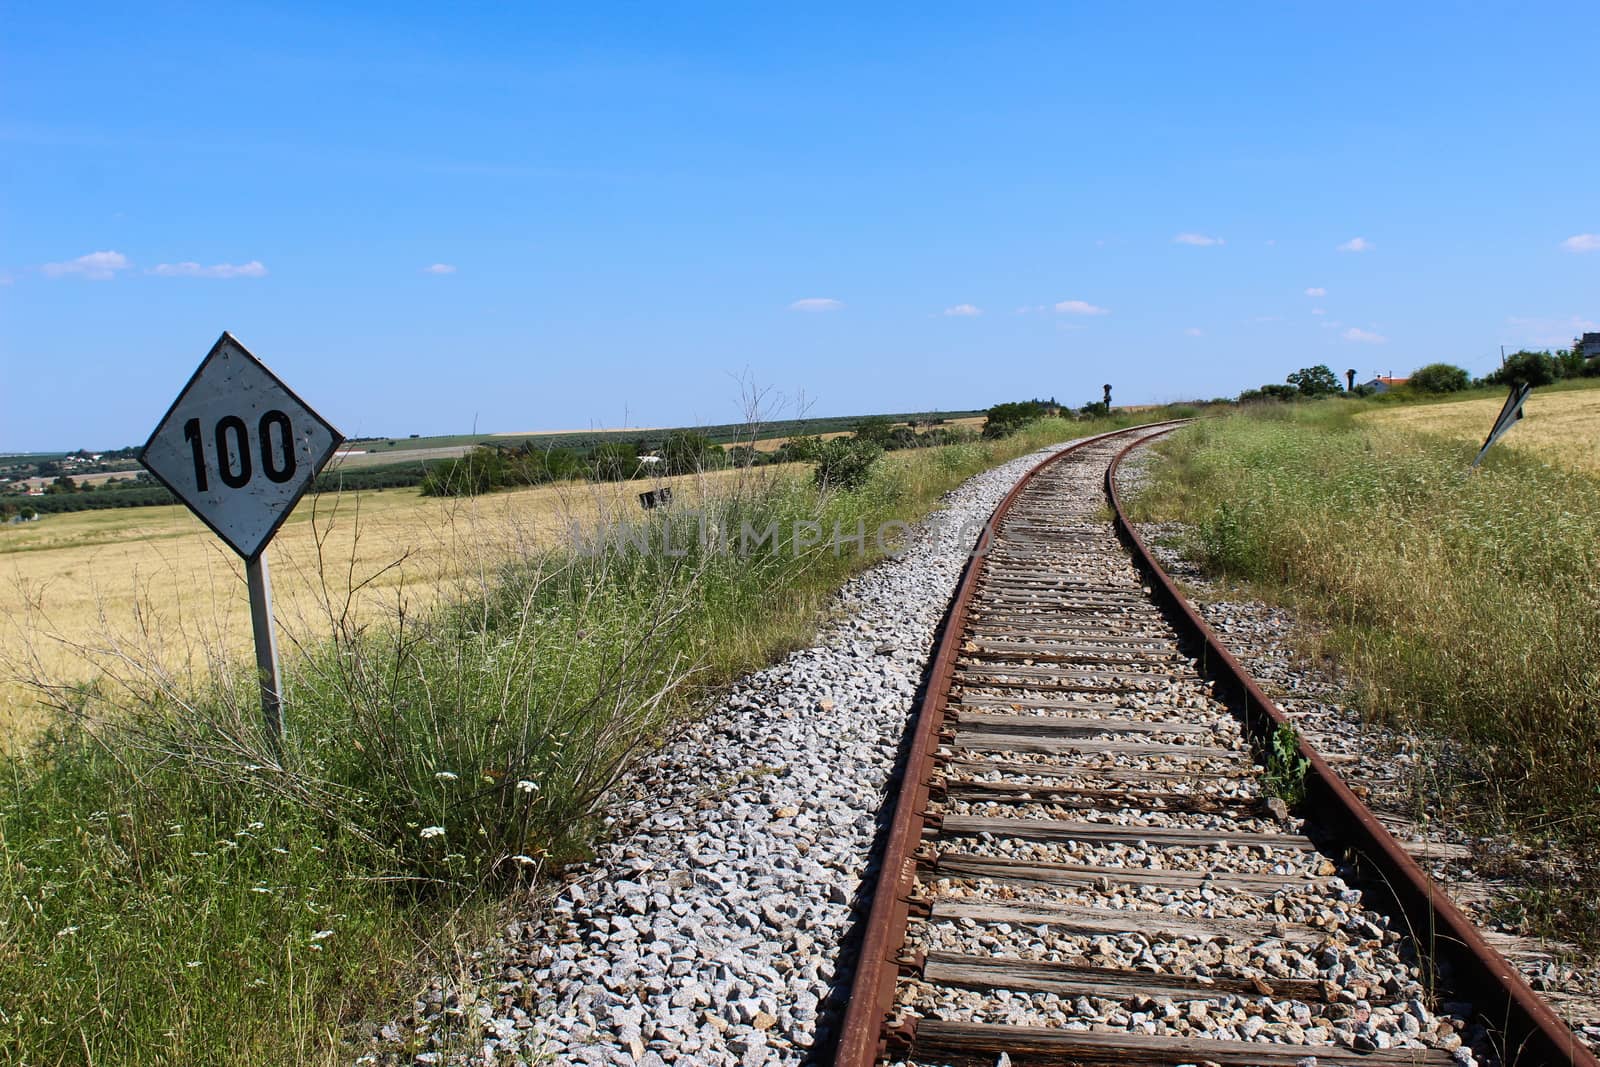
{"points": [[1530, 1032], [862, 1034]]}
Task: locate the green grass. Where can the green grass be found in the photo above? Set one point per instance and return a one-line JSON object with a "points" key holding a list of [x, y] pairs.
{"points": [[1461, 604], [170, 896]]}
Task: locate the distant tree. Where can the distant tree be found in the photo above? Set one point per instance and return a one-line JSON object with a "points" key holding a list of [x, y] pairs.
{"points": [[802, 449], [1438, 378], [1525, 368], [903, 437], [614, 461], [1003, 420], [1095, 409], [1570, 364], [1270, 391], [686, 451], [876, 430], [63, 484], [1314, 381]]}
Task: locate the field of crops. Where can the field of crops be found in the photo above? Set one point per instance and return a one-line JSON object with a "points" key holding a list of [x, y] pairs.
{"points": [[1560, 426], [153, 585]]}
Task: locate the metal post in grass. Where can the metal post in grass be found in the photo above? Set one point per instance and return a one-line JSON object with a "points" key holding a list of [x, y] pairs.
{"points": [[240, 449]]}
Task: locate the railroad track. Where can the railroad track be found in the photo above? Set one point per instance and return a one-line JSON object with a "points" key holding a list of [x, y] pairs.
{"points": [[1088, 863]]}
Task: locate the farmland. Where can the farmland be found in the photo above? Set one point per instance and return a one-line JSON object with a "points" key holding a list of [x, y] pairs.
{"points": [[1561, 426], [390, 450], [153, 585]]}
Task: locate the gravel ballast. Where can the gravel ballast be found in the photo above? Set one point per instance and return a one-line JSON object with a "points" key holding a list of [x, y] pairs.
{"points": [[708, 928], [1406, 779]]}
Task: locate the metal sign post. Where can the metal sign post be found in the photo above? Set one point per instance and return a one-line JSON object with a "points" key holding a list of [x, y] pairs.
{"points": [[240, 449], [1509, 416], [260, 581]]}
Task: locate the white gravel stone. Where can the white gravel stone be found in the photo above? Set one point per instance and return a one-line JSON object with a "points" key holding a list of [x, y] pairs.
{"points": [[707, 930]]}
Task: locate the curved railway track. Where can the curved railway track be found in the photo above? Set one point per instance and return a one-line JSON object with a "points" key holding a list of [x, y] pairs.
{"points": [[1087, 864]]}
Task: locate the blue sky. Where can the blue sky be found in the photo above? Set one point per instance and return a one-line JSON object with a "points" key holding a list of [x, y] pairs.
{"points": [[627, 208]]}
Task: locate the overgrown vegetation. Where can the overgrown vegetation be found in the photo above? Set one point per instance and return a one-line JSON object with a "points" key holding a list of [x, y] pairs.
{"points": [[1286, 768], [1462, 605], [170, 894]]}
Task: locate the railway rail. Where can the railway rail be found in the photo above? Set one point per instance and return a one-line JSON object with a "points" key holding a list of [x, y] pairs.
{"points": [[1087, 863]]}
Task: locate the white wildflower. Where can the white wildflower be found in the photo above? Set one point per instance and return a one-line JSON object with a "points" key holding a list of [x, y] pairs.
{"points": [[526, 861], [322, 935], [526, 786], [192, 963], [445, 776], [66, 931], [432, 831]]}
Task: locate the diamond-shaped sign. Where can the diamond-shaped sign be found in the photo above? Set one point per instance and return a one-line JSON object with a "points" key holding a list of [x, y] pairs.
{"points": [[239, 447]]}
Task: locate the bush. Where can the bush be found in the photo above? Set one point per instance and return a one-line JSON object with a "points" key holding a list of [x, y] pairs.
{"points": [[843, 464], [1006, 419], [1525, 368], [1269, 392], [1439, 378]]}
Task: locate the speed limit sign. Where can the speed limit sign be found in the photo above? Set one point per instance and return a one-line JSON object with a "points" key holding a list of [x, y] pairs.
{"points": [[240, 449]]}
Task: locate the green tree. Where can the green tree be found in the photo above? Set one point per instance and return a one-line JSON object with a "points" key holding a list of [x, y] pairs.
{"points": [[1006, 419], [1315, 381], [1270, 391], [687, 451], [875, 429], [1525, 368], [614, 461], [1439, 378], [802, 449]]}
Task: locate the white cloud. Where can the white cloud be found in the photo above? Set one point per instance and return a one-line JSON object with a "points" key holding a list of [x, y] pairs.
{"points": [[440, 268], [96, 266], [1319, 311], [1356, 244], [963, 310], [1582, 242], [191, 269], [817, 303], [1199, 239], [1316, 290], [1194, 331], [1366, 337], [1080, 307]]}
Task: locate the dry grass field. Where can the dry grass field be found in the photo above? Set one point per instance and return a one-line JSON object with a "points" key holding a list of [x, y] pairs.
{"points": [[152, 585], [1561, 427]]}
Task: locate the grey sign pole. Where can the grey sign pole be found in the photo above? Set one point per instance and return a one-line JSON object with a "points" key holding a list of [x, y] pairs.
{"points": [[260, 581], [240, 449]]}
